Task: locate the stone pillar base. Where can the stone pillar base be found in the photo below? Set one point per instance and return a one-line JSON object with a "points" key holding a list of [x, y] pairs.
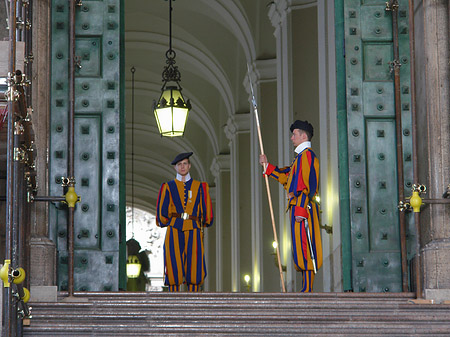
{"points": [[43, 293], [42, 262], [436, 269], [438, 295]]}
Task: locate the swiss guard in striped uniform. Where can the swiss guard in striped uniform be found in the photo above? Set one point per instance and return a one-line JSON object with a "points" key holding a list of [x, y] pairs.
{"points": [[301, 182], [184, 207]]}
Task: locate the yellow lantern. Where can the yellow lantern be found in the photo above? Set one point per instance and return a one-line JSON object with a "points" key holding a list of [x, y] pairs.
{"points": [[133, 266], [171, 112]]}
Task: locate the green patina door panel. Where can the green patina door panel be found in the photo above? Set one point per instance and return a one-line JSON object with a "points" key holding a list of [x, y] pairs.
{"points": [[371, 143], [99, 143]]}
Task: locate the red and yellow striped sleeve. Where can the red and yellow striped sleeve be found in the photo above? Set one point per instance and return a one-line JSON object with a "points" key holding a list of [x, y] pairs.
{"points": [[162, 206], [207, 213], [279, 174]]}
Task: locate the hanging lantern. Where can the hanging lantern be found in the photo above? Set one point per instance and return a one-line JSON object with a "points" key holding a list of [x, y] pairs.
{"points": [[133, 266], [171, 110]]}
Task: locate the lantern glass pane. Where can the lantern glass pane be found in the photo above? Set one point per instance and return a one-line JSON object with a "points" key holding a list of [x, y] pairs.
{"points": [[171, 117], [133, 270], [164, 118], [179, 119]]}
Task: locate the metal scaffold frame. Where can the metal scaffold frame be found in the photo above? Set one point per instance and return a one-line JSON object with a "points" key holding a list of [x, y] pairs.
{"points": [[20, 175]]}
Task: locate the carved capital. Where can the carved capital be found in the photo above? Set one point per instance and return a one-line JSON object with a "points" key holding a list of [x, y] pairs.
{"points": [[220, 163], [236, 124], [279, 9], [260, 71]]}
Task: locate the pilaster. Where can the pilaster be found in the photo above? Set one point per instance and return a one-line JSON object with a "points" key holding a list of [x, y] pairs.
{"points": [[237, 132], [42, 273], [219, 167], [434, 160], [280, 18], [328, 134]]}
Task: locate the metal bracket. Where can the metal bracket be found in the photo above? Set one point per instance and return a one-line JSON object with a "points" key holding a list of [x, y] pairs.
{"points": [[20, 154], [18, 128], [403, 206], [406, 205], [20, 23], [328, 229], [77, 62], [419, 188], [28, 116], [29, 58], [392, 6], [447, 192], [21, 79], [394, 64], [67, 181], [275, 260], [11, 94]]}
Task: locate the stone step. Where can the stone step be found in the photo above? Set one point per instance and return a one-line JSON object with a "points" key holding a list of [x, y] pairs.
{"points": [[233, 314], [283, 328]]}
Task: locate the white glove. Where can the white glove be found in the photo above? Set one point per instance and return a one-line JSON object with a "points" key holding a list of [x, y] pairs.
{"points": [[299, 218]]}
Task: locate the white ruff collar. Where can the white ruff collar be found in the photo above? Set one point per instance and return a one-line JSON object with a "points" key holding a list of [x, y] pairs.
{"points": [[180, 177], [302, 146]]}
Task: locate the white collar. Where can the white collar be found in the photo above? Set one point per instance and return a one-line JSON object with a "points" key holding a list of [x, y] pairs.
{"points": [[180, 177], [302, 146]]}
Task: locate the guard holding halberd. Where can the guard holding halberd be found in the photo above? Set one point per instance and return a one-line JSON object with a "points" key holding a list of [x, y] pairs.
{"points": [[301, 182]]}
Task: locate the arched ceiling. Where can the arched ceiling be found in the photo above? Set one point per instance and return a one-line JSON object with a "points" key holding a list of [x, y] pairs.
{"points": [[214, 40]]}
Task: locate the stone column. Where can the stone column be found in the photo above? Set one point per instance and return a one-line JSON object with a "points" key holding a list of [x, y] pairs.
{"points": [[433, 108], [237, 131], [280, 17], [328, 133], [220, 168], [42, 250]]}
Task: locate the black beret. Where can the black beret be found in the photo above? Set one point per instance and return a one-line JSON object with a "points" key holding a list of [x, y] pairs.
{"points": [[181, 156], [302, 125]]}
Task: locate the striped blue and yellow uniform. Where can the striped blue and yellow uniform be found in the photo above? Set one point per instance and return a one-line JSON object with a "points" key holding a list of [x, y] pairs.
{"points": [[301, 182], [184, 259]]}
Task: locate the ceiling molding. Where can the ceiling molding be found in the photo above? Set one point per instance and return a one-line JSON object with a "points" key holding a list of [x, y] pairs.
{"points": [[201, 63], [198, 114], [233, 19]]}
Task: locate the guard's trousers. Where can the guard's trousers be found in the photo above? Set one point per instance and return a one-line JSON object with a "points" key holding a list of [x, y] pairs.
{"points": [[184, 259], [300, 247]]}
